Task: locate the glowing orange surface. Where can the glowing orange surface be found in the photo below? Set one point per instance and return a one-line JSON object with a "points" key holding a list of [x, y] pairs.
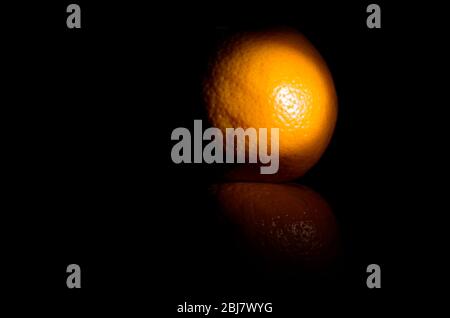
{"points": [[274, 79]]}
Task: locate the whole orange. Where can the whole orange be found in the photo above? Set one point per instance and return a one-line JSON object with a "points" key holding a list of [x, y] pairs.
{"points": [[273, 79]]}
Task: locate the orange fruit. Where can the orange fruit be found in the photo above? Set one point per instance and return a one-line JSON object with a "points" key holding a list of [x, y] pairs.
{"points": [[287, 223], [273, 79]]}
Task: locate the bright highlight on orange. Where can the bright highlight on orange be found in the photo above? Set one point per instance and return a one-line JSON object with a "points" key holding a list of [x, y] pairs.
{"points": [[293, 102]]}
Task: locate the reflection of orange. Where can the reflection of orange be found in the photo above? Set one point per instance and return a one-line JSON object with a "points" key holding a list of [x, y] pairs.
{"points": [[269, 80], [284, 222]]}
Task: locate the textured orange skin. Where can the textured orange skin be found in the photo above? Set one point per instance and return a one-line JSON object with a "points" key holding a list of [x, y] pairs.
{"points": [[283, 222], [274, 79]]}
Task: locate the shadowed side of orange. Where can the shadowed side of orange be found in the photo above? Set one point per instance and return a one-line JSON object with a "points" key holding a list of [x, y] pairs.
{"points": [[285, 223], [273, 79]]}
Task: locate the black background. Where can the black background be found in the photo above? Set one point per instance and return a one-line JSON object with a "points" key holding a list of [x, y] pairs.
{"points": [[93, 182]]}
